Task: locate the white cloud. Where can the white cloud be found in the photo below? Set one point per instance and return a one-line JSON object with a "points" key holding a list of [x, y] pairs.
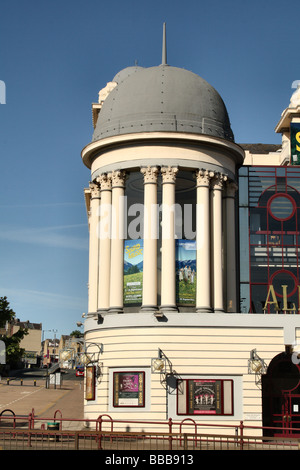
{"points": [[49, 236], [46, 299]]}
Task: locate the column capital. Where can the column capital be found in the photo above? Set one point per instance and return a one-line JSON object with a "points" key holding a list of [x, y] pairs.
{"points": [[150, 174], [231, 188], [95, 189], [105, 181], [218, 181], [169, 174], [118, 178], [204, 177]]}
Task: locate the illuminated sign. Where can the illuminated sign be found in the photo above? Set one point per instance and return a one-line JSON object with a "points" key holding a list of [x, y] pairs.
{"points": [[295, 143]]}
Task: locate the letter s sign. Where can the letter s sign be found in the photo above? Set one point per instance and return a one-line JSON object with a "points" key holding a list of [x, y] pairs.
{"points": [[298, 140]]}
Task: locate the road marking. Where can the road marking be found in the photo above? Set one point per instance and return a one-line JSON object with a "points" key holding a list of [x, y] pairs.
{"points": [[30, 393]]}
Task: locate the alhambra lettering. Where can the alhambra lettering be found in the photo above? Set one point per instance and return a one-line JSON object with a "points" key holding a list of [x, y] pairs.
{"points": [[272, 300]]}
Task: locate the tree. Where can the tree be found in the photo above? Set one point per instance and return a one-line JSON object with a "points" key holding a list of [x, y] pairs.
{"points": [[12, 343], [6, 313], [76, 334]]}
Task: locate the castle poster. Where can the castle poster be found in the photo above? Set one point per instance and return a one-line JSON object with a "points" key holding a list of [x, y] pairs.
{"points": [[186, 272]]}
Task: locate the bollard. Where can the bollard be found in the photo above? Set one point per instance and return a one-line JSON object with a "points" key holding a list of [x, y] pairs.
{"points": [[7, 381], [34, 383], [21, 381]]}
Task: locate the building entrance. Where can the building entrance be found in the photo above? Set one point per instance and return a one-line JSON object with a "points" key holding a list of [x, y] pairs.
{"points": [[281, 397]]}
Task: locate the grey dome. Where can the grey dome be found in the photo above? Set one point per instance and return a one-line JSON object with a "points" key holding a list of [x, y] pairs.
{"points": [[162, 98], [125, 73]]}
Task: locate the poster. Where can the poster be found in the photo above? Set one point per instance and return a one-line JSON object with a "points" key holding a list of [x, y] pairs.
{"points": [[186, 272], [129, 388], [90, 382], [295, 143], [204, 397], [133, 271]]}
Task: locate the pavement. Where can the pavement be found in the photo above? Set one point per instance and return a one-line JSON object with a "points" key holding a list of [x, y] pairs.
{"points": [[33, 397]]}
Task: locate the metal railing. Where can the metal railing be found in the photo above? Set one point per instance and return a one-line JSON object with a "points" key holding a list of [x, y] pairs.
{"points": [[57, 433]]}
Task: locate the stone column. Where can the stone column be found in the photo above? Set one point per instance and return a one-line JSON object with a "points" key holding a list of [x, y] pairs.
{"points": [[150, 239], [93, 248], [168, 269], [203, 293], [231, 287], [117, 243], [104, 233], [216, 249]]}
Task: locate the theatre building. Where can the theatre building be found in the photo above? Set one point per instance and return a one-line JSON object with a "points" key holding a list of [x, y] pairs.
{"points": [[193, 262]]}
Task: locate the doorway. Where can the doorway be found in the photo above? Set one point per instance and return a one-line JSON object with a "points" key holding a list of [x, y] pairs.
{"points": [[281, 397]]}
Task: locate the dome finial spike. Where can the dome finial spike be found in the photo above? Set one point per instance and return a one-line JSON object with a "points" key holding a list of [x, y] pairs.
{"points": [[164, 46]]}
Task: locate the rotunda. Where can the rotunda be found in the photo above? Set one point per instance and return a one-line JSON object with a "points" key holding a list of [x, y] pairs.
{"points": [[162, 224]]}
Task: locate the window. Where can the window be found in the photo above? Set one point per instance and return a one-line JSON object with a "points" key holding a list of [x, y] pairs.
{"points": [[269, 240]]}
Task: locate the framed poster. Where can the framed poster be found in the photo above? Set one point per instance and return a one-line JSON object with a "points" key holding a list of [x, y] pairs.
{"points": [[129, 389], [205, 397], [90, 386]]}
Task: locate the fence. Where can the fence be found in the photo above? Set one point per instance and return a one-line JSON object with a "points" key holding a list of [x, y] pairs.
{"points": [[22, 433]]}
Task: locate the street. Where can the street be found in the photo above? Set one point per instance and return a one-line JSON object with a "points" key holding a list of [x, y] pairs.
{"points": [[25, 390]]}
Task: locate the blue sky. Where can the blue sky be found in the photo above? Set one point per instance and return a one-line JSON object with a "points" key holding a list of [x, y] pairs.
{"points": [[54, 58]]}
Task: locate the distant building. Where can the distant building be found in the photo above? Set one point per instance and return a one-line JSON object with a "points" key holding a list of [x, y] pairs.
{"points": [[50, 351], [31, 342]]}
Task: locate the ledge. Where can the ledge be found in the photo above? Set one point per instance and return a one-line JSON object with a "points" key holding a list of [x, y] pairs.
{"points": [[289, 323]]}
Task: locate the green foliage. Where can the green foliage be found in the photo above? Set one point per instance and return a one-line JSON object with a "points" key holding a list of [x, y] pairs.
{"points": [[133, 270], [6, 313], [186, 291], [76, 334], [133, 292]]}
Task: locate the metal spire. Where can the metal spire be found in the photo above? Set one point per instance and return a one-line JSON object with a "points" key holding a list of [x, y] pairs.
{"points": [[164, 46]]}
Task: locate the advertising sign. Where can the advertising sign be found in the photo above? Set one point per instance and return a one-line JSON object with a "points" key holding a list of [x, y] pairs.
{"points": [[186, 272], [90, 382], [30, 357], [204, 396], [133, 271], [129, 388], [295, 143]]}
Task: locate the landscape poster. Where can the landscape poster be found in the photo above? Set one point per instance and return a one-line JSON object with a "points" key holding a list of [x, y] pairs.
{"points": [[186, 272], [133, 271]]}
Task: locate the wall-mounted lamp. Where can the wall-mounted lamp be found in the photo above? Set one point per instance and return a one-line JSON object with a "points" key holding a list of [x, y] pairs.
{"points": [[256, 366], [89, 356], [66, 355], [158, 364], [168, 376]]}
